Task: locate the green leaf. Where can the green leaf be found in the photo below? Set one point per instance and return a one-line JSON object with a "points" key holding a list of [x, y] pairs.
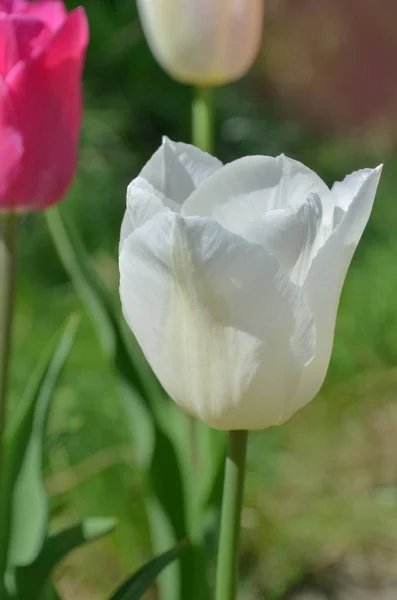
{"points": [[149, 409], [49, 593], [166, 511], [31, 581], [4, 595], [99, 305], [23, 502], [212, 445], [142, 580]]}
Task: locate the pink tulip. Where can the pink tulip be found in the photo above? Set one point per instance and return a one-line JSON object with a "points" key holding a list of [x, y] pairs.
{"points": [[42, 50]]}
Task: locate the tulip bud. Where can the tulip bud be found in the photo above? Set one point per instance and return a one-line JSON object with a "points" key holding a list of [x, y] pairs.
{"points": [[203, 42], [230, 278], [42, 50]]}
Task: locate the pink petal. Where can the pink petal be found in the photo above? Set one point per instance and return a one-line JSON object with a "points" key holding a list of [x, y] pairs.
{"points": [[11, 148], [63, 61], [6, 6], [51, 12], [20, 38], [45, 97]]}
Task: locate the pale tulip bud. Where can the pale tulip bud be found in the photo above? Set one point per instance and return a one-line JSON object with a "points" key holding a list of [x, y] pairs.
{"points": [[203, 42], [230, 278]]}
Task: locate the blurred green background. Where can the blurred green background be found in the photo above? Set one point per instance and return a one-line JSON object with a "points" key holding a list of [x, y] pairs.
{"points": [[320, 513]]}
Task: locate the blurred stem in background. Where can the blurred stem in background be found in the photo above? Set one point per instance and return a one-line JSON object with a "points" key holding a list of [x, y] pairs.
{"points": [[8, 251], [203, 138], [202, 119], [232, 503]]}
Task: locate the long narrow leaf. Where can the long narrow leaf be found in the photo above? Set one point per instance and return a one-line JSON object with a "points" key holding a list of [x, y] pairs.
{"points": [[31, 580], [23, 510], [168, 513], [3, 591], [98, 303], [142, 580]]}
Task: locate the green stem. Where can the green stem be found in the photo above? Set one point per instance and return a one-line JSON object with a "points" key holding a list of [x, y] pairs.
{"points": [[202, 137], [232, 503], [202, 119], [8, 246]]}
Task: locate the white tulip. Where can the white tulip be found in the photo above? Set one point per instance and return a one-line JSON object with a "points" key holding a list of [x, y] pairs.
{"points": [[230, 278], [203, 42]]}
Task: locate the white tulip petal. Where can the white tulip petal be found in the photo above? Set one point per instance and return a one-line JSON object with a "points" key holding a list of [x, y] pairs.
{"points": [[176, 169], [344, 192], [199, 164], [143, 201], [173, 172], [168, 176], [127, 227], [244, 190], [292, 234], [226, 334], [324, 283]]}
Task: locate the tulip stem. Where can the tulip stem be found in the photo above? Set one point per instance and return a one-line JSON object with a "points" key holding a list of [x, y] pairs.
{"points": [[202, 119], [202, 137], [8, 247], [232, 503]]}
